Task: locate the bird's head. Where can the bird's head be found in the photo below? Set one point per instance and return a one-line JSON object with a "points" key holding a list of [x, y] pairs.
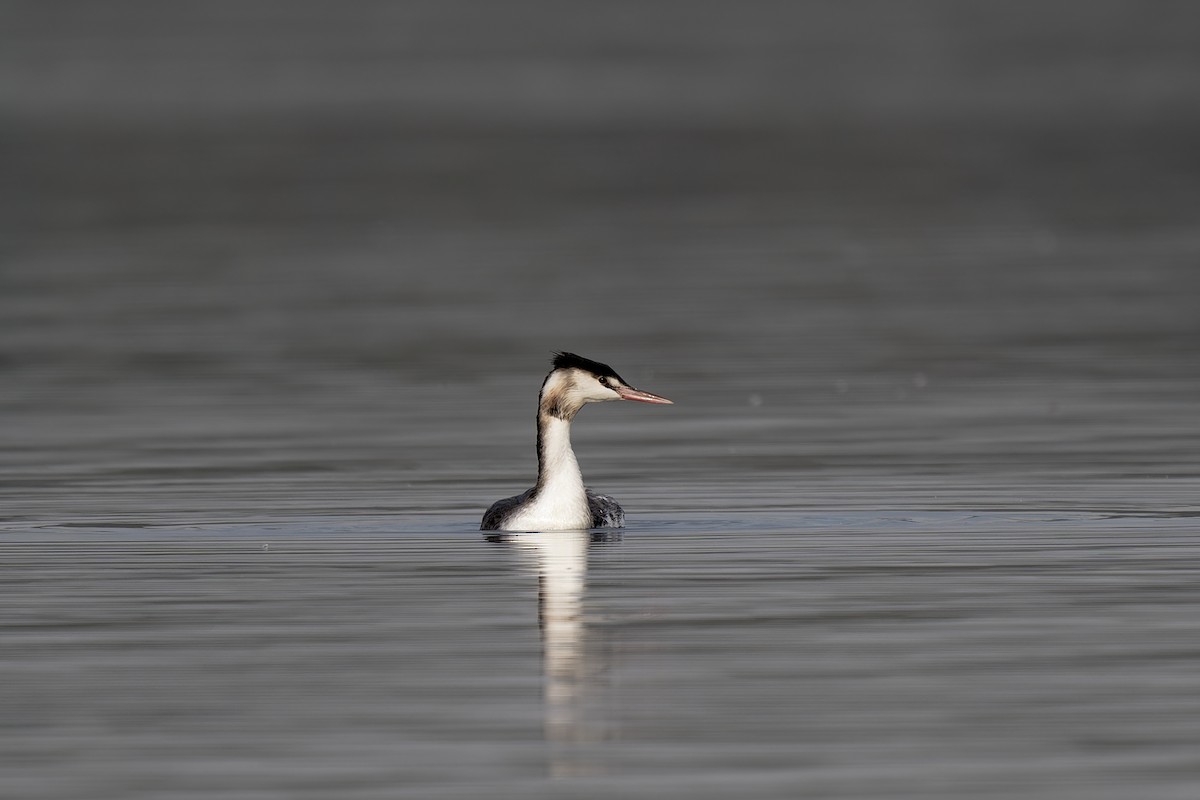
{"points": [[575, 381]]}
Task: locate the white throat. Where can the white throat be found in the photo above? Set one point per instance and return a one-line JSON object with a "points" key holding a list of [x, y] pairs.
{"points": [[560, 502]]}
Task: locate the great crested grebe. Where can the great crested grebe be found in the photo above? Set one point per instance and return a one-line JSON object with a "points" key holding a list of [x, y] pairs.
{"points": [[559, 501]]}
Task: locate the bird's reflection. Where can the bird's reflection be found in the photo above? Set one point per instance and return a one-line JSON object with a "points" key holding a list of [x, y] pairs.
{"points": [[573, 663]]}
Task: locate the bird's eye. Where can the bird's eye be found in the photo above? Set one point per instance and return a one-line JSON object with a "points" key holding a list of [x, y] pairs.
{"points": [[603, 381]]}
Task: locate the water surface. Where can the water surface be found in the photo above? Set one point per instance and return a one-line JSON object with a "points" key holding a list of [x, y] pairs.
{"points": [[844, 655]]}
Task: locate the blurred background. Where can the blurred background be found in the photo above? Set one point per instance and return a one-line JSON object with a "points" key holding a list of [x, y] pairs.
{"points": [[274, 258], [280, 279]]}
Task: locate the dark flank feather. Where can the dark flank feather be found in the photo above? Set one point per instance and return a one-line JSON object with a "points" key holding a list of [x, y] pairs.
{"points": [[494, 517], [606, 513]]}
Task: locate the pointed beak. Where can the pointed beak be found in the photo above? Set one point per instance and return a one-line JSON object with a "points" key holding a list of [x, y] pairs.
{"points": [[629, 393]]}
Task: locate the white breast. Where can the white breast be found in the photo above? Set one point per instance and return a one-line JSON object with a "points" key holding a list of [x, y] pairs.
{"points": [[561, 502]]}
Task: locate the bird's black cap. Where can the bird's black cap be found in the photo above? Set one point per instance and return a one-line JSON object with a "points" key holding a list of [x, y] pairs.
{"points": [[572, 361]]}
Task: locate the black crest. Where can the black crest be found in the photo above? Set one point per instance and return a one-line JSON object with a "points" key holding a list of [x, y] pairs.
{"points": [[572, 361]]}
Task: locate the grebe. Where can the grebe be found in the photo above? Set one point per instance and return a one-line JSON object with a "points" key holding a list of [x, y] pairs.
{"points": [[560, 501]]}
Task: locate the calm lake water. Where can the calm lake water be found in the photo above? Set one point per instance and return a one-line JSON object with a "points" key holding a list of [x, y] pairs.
{"points": [[279, 283]]}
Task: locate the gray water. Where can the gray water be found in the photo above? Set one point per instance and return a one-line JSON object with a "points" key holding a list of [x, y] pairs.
{"points": [[278, 284]]}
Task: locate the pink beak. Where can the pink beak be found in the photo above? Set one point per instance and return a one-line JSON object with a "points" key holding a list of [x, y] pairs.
{"points": [[629, 393]]}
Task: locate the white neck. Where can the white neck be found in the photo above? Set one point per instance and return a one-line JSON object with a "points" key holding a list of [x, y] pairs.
{"points": [[560, 502]]}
